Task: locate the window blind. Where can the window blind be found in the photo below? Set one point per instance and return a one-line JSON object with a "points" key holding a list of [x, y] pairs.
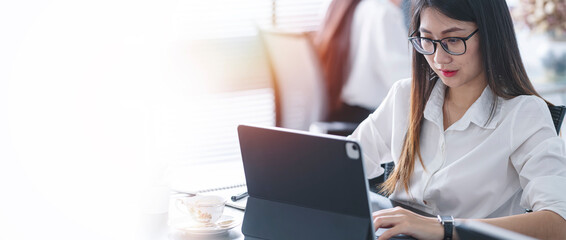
{"points": [[298, 14], [219, 39], [206, 130], [213, 19]]}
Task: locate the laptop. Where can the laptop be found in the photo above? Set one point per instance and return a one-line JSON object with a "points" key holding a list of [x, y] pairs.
{"points": [[304, 186]]}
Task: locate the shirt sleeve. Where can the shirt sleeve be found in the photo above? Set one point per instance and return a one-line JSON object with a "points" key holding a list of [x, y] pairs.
{"points": [[375, 135], [539, 158]]}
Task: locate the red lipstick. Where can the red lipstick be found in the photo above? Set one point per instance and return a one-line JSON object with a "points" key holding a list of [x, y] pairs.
{"points": [[448, 73]]}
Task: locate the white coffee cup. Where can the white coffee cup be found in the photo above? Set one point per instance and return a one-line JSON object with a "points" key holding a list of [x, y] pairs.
{"points": [[202, 208]]}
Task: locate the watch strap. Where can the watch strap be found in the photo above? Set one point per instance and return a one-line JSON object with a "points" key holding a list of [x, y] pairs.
{"points": [[448, 224]]}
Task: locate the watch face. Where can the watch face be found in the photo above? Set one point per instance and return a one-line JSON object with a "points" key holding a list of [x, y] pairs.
{"points": [[449, 219]]}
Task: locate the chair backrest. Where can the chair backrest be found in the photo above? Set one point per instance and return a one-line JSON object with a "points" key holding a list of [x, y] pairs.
{"points": [[300, 94], [557, 113]]}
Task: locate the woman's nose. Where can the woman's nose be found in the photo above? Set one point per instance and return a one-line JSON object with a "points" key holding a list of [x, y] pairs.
{"points": [[441, 56]]}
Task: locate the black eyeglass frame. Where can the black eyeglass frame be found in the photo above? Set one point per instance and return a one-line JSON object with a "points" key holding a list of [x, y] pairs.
{"points": [[464, 39]]}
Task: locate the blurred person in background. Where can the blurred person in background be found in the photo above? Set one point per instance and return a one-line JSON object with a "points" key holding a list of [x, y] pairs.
{"points": [[363, 50]]}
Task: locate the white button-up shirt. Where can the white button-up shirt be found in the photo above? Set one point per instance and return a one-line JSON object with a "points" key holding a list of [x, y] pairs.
{"points": [[476, 168]]}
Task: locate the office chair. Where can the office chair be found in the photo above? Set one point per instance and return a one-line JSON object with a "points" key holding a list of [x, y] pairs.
{"points": [[556, 112], [298, 83]]}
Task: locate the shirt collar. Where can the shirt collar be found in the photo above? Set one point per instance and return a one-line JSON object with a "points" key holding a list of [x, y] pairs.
{"points": [[478, 113], [433, 108]]}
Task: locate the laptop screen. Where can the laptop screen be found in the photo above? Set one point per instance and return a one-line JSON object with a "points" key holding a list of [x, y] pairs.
{"points": [[303, 186], [305, 170]]}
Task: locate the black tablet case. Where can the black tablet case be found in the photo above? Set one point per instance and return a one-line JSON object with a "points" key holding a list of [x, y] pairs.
{"points": [[303, 186]]}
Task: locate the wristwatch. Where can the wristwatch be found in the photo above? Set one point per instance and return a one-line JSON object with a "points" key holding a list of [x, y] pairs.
{"points": [[448, 223]]}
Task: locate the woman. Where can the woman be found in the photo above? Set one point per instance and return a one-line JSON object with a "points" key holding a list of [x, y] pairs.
{"points": [[469, 135]]}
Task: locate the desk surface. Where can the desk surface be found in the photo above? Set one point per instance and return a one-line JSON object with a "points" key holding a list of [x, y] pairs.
{"points": [[160, 230]]}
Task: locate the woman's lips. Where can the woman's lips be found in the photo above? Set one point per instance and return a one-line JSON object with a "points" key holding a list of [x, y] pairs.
{"points": [[448, 73]]}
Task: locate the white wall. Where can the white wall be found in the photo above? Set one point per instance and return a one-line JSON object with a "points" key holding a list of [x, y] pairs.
{"points": [[79, 82]]}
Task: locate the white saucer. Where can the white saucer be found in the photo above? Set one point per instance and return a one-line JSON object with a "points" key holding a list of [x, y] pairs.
{"points": [[222, 226]]}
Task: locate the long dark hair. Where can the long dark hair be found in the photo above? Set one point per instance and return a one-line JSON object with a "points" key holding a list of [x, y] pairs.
{"points": [[504, 70]]}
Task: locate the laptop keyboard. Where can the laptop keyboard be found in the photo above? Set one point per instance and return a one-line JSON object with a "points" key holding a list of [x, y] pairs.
{"points": [[400, 236]]}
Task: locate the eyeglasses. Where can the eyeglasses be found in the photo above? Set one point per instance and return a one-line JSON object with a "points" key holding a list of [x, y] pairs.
{"points": [[452, 45]]}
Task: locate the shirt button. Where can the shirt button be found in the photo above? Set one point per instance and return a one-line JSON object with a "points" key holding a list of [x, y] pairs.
{"points": [[426, 203]]}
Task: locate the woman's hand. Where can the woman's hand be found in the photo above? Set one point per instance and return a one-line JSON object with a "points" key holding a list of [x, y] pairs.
{"points": [[402, 221]]}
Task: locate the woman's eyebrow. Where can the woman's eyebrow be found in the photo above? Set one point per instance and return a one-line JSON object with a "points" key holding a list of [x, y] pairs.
{"points": [[450, 30]]}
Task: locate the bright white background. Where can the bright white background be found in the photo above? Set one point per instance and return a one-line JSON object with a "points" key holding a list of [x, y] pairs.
{"points": [[79, 85], [105, 104]]}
